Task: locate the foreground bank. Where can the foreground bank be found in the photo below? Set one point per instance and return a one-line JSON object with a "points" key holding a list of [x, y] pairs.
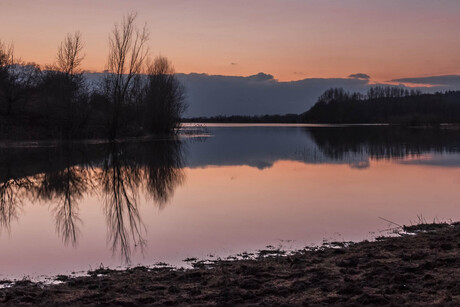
{"points": [[420, 267]]}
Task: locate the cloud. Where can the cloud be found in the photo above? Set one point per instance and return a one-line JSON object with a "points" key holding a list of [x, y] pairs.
{"points": [[260, 94], [445, 160], [260, 77], [450, 81], [299, 73], [211, 95], [359, 76]]}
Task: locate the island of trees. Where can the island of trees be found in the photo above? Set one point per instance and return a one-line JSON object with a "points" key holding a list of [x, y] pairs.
{"points": [[381, 104], [385, 105], [137, 96]]}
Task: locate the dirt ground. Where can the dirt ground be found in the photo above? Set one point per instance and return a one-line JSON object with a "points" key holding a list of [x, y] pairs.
{"points": [[421, 269]]}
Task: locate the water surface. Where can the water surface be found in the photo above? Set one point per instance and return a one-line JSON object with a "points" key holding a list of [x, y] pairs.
{"points": [[235, 188]]}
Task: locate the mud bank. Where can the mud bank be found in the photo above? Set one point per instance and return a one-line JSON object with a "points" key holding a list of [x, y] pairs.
{"points": [[419, 268]]}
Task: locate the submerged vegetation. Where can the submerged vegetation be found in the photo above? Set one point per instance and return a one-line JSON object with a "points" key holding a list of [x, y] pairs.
{"points": [[138, 95]]}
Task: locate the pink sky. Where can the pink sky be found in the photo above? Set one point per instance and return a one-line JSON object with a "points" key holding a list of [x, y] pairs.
{"points": [[290, 39]]}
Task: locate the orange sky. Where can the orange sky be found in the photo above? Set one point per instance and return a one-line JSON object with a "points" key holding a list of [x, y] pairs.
{"points": [[290, 39]]}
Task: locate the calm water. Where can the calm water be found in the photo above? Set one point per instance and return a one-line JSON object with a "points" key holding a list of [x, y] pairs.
{"points": [[243, 187]]}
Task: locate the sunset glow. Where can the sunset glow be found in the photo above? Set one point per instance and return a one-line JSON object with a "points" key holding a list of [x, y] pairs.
{"points": [[229, 152], [291, 40]]}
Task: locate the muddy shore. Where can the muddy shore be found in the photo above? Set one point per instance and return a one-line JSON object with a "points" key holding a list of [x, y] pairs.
{"points": [[420, 267]]}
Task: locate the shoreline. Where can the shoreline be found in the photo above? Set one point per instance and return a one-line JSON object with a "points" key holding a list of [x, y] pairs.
{"points": [[20, 141], [421, 266]]}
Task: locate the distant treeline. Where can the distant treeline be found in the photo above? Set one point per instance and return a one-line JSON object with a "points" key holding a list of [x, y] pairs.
{"points": [[385, 105], [137, 96], [287, 118], [380, 104]]}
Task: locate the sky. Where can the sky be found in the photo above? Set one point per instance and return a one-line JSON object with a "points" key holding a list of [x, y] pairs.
{"points": [[288, 39]]}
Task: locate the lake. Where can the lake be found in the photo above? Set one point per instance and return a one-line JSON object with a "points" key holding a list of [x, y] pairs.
{"points": [[217, 191]]}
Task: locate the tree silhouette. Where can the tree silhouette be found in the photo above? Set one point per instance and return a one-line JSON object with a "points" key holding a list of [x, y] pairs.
{"points": [[69, 56], [127, 53], [120, 182], [134, 98], [163, 98], [385, 105], [16, 79]]}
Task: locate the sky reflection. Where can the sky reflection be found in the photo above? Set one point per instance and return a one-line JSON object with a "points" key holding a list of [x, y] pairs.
{"points": [[65, 209]]}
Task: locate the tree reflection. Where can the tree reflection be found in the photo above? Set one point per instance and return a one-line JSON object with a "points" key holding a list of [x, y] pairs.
{"points": [[11, 192], [119, 173], [120, 182], [154, 167], [382, 142], [8, 204], [64, 188], [13, 188], [163, 172]]}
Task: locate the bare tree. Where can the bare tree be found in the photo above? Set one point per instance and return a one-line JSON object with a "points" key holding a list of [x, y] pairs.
{"points": [[6, 54], [127, 53], [16, 78], [9, 79], [63, 90], [69, 56]]}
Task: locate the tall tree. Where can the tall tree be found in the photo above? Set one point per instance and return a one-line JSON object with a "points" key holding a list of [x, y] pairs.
{"points": [[64, 88], [16, 79], [70, 54], [164, 97], [127, 54]]}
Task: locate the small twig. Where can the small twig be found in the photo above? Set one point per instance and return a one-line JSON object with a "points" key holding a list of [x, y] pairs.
{"points": [[390, 222]]}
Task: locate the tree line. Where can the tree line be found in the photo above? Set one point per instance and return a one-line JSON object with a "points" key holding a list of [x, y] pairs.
{"points": [[137, 95], [385, 105], [381, 104], [286, 118]]}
